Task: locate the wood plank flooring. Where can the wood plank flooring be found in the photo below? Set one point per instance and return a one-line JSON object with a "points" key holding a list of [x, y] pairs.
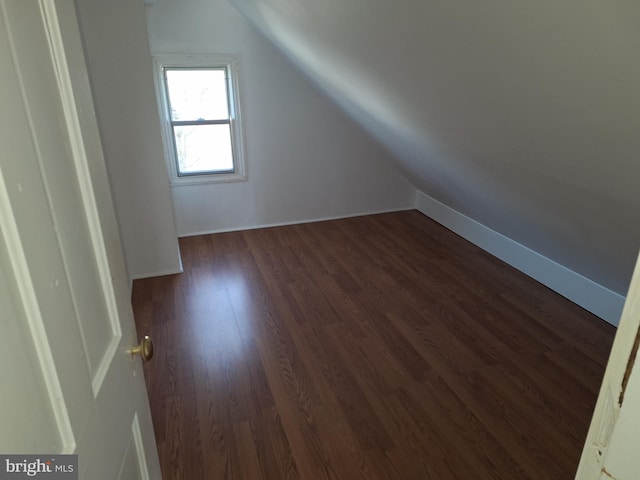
{"points": [[377, 347]]}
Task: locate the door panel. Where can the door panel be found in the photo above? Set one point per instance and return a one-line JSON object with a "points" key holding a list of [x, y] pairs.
{"points": [[25, 399], [134, 465], [22, 218], [98, 331], [130, 469], [63, 255]]}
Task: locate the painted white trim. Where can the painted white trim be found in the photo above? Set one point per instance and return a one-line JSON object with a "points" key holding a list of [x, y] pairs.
{"points": [[241, 228], [29, 299], [608, 407], [79, 155], [230, 62], [139, 446], [590, 295], [160, 273]]}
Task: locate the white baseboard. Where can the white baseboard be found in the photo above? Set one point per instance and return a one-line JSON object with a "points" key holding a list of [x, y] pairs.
{"points": [[591, 296], [250, 227], [161, 273], [240, 228]]}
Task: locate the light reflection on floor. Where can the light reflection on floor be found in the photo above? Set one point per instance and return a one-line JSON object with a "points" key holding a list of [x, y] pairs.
{"points": [[214, 326]]}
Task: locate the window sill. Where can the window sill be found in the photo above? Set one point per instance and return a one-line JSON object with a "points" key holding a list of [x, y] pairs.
{"points": [[207, 179]]}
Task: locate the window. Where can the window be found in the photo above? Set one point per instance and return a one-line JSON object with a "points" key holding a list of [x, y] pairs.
{"points": [[200, 112]]}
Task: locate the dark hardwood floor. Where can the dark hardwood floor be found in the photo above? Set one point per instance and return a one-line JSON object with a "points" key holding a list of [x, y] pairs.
{"points": [[378, 347]]}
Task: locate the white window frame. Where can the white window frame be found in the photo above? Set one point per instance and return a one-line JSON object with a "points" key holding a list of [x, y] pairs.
{"points": [[217, 60]]}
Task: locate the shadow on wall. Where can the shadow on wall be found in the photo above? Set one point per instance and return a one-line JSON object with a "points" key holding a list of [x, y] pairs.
{"points": [[523, 117]]}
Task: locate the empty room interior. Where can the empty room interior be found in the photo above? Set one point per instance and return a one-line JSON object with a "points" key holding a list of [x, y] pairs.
{"points": [[413, 254]]}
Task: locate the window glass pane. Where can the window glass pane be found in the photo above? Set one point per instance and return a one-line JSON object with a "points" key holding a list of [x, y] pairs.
{"points": [[203, 148], [199, 94]]}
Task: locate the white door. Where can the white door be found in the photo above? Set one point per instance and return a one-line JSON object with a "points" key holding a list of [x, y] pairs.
{"points": [[612, 449], [67, 381]]}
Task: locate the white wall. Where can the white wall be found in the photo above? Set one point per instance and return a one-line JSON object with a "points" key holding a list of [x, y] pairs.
{"points": [[306, 160], [119, 63]]}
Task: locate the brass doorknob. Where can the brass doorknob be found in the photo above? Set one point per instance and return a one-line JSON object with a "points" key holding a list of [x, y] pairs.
{"points": [[145, 349]]}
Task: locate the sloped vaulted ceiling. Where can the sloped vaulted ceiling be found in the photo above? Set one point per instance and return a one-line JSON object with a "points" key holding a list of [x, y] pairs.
{"points": [[524, 115]]}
